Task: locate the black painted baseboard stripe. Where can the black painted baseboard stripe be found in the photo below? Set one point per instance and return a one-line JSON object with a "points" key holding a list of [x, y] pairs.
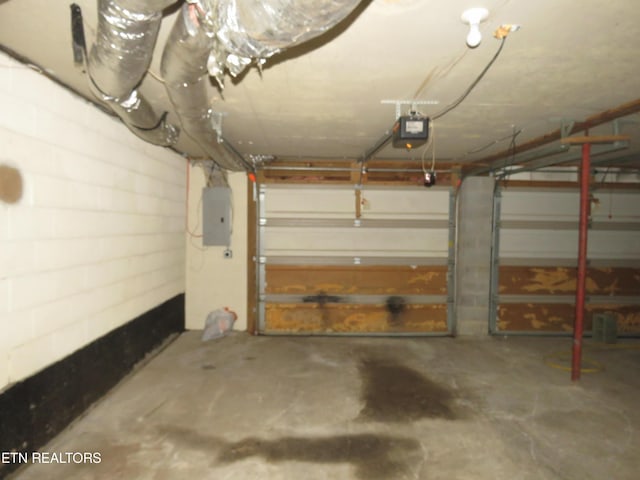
{"points": [[36, 409]]}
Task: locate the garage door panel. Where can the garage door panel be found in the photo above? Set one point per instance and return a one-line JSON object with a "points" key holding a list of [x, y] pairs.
{"points": [[310, 203], [355, 241], [354, 280], [558, 318], [534, 267], [519, 204], [521, 280], [614, 244], [327, 267], [354, 319], [412, 204]]}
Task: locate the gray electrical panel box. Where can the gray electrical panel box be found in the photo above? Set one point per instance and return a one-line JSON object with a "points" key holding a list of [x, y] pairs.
{"points": [[216, 216]]}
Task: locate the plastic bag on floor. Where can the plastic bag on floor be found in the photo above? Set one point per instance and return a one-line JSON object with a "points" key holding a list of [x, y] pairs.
{"points": [[219, 323]]}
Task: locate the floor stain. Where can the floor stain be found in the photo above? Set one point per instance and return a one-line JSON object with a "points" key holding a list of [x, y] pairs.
{"points": [[373, 456], [392, 392]]}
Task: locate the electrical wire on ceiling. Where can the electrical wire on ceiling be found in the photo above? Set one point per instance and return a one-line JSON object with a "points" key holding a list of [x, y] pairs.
{"points": [[388, 136], [450, 107], [466, 93], [512, 157], [493, 142], [430, 143]]}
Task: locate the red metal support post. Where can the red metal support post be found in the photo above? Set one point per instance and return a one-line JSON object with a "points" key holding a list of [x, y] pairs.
{"points": [[578, 327]]}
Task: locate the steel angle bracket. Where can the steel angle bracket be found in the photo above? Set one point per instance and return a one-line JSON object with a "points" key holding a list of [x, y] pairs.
{"points": [[566, 128], [412, 104], [494, 286]]}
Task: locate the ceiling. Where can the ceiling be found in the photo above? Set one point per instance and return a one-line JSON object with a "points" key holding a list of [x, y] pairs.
{"points": [[326, 98]]}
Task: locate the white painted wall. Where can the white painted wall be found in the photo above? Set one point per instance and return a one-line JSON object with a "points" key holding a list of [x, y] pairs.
{"points": [[98, 235], [214, 281]]}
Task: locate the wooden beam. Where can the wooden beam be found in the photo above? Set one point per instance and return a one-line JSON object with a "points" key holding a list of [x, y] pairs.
{"points": [[354, 319], [252, 294], [599, 139], [358, 203]]}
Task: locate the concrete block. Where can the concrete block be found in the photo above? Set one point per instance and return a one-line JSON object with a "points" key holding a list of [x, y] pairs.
{"points": [[30, 357], [69, 339], [5, 300], [25, 223], [4, 367], [99, 324], [17, 328], [6, 75], [17, 257], [472, 328], [51, 192], [54, 254], [474, 300], [4, 223], [17, 116], [70, 223], [59, 313], [35, 289], [84, 196]]}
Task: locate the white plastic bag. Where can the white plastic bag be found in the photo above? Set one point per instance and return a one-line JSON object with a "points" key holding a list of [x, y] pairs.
{"points": [[219, 323]]}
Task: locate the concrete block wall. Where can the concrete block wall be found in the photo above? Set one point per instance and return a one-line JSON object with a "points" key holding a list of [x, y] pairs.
{"points": [[97, 237], [473, 257]]}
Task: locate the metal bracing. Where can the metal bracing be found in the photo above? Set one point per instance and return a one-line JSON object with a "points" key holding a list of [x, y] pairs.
{"points": [[601, 118], [578, 326], [546, 162], [495, 261], [451, 262], [261, 260], [517, 161]]}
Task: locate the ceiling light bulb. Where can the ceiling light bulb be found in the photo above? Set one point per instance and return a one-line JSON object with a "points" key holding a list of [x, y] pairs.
{"points": [[474, 37], [473, 17]]}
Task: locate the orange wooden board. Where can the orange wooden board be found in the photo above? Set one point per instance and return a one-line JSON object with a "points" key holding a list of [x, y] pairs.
{"points": [[355, 279], [528, 317], [336, 318], [517, 280], [348, 172]]}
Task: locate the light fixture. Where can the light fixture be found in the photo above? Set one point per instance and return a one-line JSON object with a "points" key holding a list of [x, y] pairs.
{"points": [[473, 17]]}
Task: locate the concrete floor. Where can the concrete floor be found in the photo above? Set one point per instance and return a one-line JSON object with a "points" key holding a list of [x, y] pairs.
{"points": [[312, 408]]}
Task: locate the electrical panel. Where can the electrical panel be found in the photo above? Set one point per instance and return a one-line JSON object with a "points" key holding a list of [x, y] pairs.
{"points": [[216, 216]]}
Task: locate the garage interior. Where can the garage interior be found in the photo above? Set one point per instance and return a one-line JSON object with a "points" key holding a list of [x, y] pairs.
{"points": [[423, 216]]}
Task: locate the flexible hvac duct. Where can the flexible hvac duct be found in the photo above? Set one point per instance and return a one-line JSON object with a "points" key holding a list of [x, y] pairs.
{"points": [[185, 77], [211, 35], [257, 29], [125, 38]]}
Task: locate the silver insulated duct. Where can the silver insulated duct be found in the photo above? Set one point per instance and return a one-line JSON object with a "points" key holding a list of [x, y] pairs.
{"points": [[248, 30], [214, 36], [209, 37], [185, 76], [120, 57]]}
